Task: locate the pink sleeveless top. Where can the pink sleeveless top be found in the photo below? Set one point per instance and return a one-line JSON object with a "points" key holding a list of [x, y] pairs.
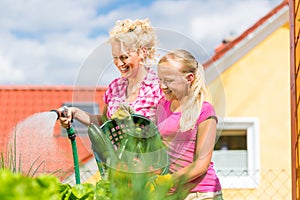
{"points": [[181, 145]]}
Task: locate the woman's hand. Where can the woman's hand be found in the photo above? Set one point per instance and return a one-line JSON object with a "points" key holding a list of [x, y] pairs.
{"points": [[124, 111], [66, 116]]}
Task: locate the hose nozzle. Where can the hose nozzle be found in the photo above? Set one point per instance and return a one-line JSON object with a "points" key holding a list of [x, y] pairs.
{"points": [[61, 112], [56, 111]]}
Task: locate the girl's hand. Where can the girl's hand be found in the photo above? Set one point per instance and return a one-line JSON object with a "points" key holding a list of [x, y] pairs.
{"points": [[160, 181]]}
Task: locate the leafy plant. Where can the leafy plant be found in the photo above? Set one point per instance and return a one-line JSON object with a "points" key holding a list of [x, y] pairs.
{"points": [[16, 186]]}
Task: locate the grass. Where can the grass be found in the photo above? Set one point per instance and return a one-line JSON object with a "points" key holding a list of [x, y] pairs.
{"points": [[13, 162]]}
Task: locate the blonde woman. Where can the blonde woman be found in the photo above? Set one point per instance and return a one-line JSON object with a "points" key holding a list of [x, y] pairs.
{"points": [[133, 51], [187, 124]]}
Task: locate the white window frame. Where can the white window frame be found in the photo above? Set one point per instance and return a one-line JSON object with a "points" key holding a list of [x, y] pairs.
{"points": [[251, 180]]}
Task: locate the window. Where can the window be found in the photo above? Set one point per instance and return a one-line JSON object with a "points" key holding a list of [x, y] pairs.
{"points": [[90, 107], [236, 153]]}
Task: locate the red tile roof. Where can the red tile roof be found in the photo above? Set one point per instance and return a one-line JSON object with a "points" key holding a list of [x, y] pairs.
{"points": [[21, 102], [224, 48]]}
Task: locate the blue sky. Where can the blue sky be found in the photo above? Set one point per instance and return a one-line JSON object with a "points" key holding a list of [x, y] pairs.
{"points": [[47, 42]]}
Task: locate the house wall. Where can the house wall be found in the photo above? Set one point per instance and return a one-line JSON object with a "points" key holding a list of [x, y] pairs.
{"points": [[258, 85]]}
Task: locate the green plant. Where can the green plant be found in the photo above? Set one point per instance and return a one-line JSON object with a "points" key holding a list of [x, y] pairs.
{"points": [[10, 160], [16, 186]]}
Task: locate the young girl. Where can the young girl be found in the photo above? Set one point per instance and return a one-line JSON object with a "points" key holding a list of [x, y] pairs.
{"points": [[187, 124]]}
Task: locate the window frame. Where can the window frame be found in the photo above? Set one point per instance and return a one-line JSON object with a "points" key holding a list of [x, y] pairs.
{"points": [[251, 125]]}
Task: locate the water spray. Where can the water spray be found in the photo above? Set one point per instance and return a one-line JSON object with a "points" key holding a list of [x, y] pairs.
{"points": [[62, 112]]}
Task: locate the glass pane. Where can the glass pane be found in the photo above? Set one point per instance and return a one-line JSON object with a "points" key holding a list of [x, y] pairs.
{"points": [[231, 162], [232, 140]]}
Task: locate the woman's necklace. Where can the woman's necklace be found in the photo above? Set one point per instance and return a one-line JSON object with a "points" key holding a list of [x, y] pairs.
{"points": [[132, 92]]}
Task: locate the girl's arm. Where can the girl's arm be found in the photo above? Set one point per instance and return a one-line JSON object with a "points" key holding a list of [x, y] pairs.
{"points": [[205, 142]]}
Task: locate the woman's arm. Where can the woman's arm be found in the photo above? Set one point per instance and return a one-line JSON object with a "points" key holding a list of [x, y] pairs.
{"points": [[82, 116], [206, 134]]}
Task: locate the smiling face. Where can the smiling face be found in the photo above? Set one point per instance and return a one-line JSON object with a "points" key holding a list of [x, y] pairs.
{"points": [[128, 62], [173, 82]]}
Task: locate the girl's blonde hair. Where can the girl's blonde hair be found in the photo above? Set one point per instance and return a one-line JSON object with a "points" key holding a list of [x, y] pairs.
{"points": [[135, 35], [198, 90]]}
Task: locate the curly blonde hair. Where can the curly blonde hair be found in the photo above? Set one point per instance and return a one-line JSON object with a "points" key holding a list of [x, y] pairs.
{"points": [[135, 35]]}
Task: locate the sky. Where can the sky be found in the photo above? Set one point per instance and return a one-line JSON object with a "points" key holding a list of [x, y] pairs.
{"points": [[52, 42]]}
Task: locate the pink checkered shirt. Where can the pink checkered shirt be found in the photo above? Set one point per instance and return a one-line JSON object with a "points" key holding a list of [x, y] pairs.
{"points": [[146, 102]]}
